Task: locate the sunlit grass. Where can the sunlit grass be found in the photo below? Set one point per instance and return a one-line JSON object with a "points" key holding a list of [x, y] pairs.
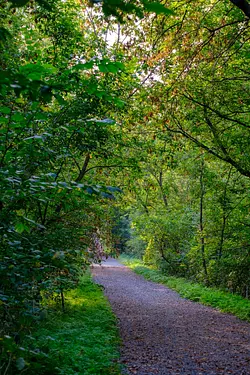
{"points": [[225, 302], [84, 339]]}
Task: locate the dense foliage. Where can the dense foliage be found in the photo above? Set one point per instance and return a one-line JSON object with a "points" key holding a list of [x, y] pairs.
{"points": [[190, 203], [139, 108], [56, 139]]}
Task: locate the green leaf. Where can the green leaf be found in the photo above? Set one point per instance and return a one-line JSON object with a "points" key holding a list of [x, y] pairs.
{"points": [[120, 103], [5, 110], [20, 363], [35, 76], [103, 121], [86, 66], [60, 99], [19, 3], [113, 68], [114, 189], [39, 137], [21, 227], [17, 117], [33, 222], [103, 68], [4, 34], [3, 120], [157, 8], [41, 116], [120, 65]]}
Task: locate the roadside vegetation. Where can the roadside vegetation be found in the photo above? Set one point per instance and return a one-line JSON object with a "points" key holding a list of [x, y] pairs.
{"points": [[224, 301], [81, 340]]}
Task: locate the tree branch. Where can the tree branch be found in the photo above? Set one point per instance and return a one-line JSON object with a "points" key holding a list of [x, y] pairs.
{"points": [[84, 168], [221, 115], [226, 158], [222, 26]]}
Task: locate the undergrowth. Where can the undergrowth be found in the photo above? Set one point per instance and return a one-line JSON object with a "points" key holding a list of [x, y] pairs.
{"points": [[224, 301], [81, 341]]}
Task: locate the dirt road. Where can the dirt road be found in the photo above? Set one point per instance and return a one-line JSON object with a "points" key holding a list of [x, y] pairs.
{"points": [[165, 334]]}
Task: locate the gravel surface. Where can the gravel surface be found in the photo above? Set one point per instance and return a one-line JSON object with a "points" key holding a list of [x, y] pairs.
{"points": [[165, 334]]}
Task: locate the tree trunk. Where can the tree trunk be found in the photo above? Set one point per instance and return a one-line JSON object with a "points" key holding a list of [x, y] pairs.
{"points": [[224, 217], [202, 238], [84, 168], [62, 300]]}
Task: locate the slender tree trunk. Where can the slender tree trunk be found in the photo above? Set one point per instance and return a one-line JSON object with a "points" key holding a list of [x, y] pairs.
{"points": [[84, 168], [223, 227], [62, 300], [202, 238], [160, 182], [224, 217]]}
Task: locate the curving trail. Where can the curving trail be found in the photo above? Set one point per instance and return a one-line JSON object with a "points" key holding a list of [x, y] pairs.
{"points": [[165, 334]]}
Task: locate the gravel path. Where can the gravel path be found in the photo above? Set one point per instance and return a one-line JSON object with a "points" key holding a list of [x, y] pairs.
{"points": [[165, 334]]}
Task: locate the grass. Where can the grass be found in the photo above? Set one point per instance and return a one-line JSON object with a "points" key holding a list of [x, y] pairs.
{"points": [[83, 340], [223, 301]]}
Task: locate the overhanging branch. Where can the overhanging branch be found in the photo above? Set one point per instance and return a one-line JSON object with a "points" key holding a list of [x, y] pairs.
{"points": [[226, 158]]}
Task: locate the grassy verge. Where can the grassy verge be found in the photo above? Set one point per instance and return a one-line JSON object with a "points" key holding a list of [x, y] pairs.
{"points": [[223, 301], [83, 340]]}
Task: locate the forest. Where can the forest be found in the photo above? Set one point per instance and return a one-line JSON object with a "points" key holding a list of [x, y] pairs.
{"points": [[124, 129]]}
